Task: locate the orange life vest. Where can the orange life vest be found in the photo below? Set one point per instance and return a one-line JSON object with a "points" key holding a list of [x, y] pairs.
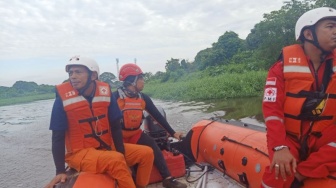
{"points": [[88, 125], [132, 110], [298, 84]]}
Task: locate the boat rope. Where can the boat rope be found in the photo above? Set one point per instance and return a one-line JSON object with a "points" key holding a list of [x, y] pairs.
{"points": [[242, 144], [213, 119], [210, 168]]}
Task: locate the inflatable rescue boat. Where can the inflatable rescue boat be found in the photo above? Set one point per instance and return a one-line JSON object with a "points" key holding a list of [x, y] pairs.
{"points": [[236, 150]]}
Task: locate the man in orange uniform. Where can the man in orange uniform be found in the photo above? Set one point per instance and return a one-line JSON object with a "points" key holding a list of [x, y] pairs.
{"points": [[299, 104], [86, 119], [132, 102]]}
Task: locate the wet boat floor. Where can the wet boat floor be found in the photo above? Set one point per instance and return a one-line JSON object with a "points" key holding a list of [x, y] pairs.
{"points": [[214, 179]]}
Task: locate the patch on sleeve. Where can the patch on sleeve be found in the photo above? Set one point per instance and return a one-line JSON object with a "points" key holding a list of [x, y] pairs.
{"points": [[103, 90], [270, 94], [271, 81]]}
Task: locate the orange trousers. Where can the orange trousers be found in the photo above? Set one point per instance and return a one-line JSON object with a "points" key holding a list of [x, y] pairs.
{"points": [[142, 156], [115, 164]]}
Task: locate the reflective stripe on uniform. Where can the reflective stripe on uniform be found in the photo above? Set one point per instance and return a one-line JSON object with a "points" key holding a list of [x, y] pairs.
{"points": [[297, 69], [101, 99], [73, 100], [332, 144], [133, 103], [273, 118]]}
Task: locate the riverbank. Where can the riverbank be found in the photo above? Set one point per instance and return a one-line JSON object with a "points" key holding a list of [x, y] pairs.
{"points": [[26, 99], [191, 87]]}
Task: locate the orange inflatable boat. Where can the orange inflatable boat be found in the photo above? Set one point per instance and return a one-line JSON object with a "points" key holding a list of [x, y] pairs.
{"points": [[85, 179], [236, 149]]}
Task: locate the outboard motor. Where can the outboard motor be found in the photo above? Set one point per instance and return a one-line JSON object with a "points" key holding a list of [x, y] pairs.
{"points": [[154, 129]]}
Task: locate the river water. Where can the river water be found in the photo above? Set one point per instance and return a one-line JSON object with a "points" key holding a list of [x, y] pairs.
{"points": [[25, 139]]}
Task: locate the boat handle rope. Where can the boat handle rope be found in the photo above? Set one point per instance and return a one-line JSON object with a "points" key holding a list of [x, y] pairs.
{"points": [[235, 141], [210, 168], [198, 141]]}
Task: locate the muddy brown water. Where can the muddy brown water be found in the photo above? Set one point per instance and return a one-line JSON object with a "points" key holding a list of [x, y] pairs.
{"points": [[25, 139]]}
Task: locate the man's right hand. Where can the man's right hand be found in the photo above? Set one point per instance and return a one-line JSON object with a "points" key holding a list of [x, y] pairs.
{"points": [[284, 163], [58, 178]]}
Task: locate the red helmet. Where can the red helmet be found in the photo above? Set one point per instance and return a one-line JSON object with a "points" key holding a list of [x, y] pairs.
{"points": [[129, 69]]}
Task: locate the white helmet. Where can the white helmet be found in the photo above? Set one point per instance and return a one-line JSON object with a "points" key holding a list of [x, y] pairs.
{"points": [[312, 17], [85, 61]]}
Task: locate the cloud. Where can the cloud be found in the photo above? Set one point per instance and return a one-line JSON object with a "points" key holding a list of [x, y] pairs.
{"points": [[151, 31]]}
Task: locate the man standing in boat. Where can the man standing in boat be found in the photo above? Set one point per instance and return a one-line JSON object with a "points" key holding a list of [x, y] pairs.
{"points": [[86, 119], [132, 102], [299, 104]]}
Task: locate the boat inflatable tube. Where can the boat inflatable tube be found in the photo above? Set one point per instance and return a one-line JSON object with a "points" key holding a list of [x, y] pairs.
{"points": [[238, 150]]}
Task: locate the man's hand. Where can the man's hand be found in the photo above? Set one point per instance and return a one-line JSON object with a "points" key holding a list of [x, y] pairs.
{"points": [[283, 163], [57, 178], [178, 135]]}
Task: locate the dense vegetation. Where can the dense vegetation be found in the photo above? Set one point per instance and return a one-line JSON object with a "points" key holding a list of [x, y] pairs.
{"points": [[199, 86], [23, 91], [231, 67]]}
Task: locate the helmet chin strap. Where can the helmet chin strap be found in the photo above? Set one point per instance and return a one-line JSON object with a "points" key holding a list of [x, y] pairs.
{"points": [[134, 83], [87, 85], [316, 43], [131, 94]]}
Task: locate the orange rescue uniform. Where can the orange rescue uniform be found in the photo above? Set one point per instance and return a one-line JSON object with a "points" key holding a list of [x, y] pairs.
{"points": [[132, 110], [88, 138], [289, 83]]}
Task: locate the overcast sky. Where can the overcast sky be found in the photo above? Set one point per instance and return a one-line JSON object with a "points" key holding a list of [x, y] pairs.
{"points": [[38, 37]]}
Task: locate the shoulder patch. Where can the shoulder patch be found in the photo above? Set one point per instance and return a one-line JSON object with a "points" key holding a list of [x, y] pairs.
{"points": [[270, 94], [103, 90], [271, 81]]}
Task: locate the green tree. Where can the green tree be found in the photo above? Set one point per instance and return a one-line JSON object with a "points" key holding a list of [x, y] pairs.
{"points": [[202, 59], [187, 66], [158, 75], [46, 89], [23, 89], [221, 52], [109, 78], [172, 65], [147, 76], [325, 3], [23, 86], [230, 44], [276, 30]]}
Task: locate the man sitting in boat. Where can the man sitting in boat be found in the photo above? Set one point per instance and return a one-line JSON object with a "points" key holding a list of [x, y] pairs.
{"points": [[86, 119], [132, 102], [299, 104]]}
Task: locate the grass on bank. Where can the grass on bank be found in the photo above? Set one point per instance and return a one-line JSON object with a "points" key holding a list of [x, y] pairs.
{"points": [[200, 87], [26, 99]]}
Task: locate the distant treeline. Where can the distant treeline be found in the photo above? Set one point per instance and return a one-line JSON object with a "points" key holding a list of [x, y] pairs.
{"points": [[24, 89]]}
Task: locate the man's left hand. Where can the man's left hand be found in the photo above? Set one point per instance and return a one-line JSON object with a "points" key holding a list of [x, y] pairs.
{"points": [[178, 135]]}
